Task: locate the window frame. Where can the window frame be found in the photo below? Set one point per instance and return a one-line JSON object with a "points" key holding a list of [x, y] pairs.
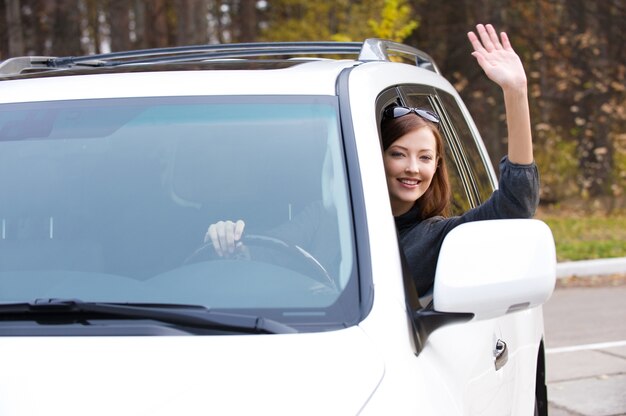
{"points": [[455, 145]]}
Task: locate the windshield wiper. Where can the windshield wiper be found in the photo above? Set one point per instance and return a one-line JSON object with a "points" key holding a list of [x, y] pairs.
{"points": [[184, 315]]}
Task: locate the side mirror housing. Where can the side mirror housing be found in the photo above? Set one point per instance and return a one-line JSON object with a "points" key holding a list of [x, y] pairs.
{"points": [[491, 268]]}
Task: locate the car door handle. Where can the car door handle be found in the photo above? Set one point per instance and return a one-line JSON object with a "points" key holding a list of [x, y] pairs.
{"points": [[501, 354]]}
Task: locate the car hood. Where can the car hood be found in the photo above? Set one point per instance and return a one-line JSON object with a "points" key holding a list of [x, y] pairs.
{"points": [[316, 373]]}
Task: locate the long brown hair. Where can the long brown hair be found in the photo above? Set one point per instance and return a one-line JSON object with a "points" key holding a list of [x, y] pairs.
{"points": [[436, 199]]}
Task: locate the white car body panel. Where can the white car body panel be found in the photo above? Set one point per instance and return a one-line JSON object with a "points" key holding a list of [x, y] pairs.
{"points": [[278, 374], [320, 79]]}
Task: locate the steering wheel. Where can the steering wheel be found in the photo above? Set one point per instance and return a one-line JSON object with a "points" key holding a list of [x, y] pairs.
{"points": [[299, 259]]}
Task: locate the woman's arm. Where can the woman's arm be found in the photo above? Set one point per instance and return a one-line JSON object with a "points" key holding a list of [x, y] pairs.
{"points": [[502, 65]]}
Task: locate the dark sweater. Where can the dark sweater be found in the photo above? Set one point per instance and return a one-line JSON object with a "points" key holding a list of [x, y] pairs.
{"points": [[421, 239]]}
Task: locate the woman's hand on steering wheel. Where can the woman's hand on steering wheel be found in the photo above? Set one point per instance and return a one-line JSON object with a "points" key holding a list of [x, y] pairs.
{"points": [[225, 236]]}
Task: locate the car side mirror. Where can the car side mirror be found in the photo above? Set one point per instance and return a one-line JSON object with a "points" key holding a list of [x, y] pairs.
{"points": [[487, 269]]}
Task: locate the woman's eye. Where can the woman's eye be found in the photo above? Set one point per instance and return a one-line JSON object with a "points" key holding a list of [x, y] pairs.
{"points": [[427, 158], [397, 154]]}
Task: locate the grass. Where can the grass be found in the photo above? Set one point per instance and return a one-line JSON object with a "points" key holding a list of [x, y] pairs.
{"points": [[587, 237]]}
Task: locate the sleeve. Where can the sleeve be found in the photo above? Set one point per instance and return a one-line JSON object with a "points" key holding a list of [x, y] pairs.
{"points": [[516, 197]]}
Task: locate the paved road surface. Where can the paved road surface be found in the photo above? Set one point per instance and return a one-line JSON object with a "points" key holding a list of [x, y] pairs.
{"points": [[586, 351]]}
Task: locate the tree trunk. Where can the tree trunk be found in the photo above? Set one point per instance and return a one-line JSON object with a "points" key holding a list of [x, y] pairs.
{"points": [[200, 22], [191, 24], [120, 25], [66, 39], [247, 21], [14, 28], [156, 30], [39, 40], [138, 35], [219, 31]]}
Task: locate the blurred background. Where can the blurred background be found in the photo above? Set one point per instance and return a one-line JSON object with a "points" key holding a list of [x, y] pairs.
{"points": [[573, 50]]}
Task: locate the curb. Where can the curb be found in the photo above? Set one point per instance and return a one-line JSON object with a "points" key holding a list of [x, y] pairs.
{"points": [[586, 268]]}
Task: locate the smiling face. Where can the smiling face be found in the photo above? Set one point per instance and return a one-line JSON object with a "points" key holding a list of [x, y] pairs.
{"points": [[410, 164]]}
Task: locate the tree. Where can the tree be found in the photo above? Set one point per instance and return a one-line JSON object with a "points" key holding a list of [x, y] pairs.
{"points": [[66, 33], [574, 55], [191, 21], [14, 27], [577, 65], [119, 21], [293, 20], [158, 32], [245, 23], [395, 21]]}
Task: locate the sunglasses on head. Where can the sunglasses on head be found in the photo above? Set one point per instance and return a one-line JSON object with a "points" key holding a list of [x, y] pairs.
{"points": [[399, 111]]}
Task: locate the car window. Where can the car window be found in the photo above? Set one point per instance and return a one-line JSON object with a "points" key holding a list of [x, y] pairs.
{"points": [[108, 200], [474, 158], [426, 97], [471, 182]]}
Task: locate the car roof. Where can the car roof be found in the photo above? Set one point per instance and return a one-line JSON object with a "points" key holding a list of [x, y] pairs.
{"points": [[370, 49], [229, 69]]}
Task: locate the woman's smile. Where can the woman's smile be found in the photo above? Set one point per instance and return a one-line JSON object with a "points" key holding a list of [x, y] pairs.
{"points": [[410, 183]]}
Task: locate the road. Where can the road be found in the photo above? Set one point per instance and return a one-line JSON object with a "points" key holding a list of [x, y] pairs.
{"points": [[585, 331]]}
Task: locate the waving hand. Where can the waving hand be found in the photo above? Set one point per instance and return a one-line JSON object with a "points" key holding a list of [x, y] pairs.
{"points": [[497, 58], [502, 65]]}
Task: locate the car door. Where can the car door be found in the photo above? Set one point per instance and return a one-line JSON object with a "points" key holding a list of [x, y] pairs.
{"points": [[473, 357]]}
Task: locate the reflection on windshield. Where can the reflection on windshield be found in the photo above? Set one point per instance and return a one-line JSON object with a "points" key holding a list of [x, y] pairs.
{"points": [[105, 200]]}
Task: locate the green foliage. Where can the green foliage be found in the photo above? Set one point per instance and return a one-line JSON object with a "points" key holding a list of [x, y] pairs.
{"points": [[619, 165], [583, 238], [395, 21], [298, 20], [557, 162]]}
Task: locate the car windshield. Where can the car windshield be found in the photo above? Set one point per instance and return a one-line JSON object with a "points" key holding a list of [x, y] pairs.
{"points": [[109, 200]]}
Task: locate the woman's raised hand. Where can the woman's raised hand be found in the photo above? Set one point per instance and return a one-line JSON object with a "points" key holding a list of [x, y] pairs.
{"points": [[497, 58], [226, 237], [502, 65]]}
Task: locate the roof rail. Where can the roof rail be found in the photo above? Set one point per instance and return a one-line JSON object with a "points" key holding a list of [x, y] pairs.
{"points": [[369, 50], [374, 49], [14, 66]]}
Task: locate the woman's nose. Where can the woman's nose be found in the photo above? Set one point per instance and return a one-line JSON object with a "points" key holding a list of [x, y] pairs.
{"points": [[412, 167]]}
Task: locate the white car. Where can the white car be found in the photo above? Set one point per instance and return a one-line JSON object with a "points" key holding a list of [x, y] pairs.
{"points": [[113, 166]]}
